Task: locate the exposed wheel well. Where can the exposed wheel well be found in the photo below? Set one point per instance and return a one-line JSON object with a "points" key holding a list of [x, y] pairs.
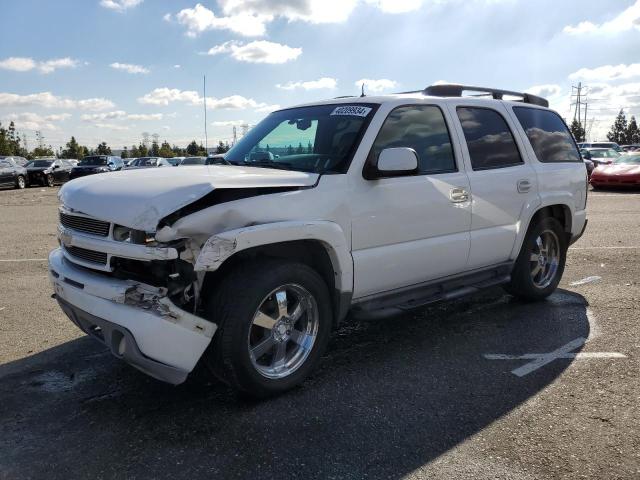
{"points": [[308, 252], [560, 212]]}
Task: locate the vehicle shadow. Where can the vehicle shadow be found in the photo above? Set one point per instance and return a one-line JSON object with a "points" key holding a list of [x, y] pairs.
{"points": [[391, 396]]}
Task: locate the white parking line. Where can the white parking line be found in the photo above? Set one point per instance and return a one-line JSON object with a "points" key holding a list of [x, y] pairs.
{"points": [[10, 260], [539, 360]]}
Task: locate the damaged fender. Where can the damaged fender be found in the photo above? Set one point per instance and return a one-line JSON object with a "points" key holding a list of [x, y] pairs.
{"points": [[218, 248]]}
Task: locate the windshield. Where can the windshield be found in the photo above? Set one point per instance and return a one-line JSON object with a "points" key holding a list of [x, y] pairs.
{"points": [[613, 146], [194, 161], [604, 153], [93, 161], [632, 159], [320, 139], [146, 162], [39, 163]]}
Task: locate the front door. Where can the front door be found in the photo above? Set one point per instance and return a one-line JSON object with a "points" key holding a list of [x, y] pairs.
{"points": [[415, 228]]}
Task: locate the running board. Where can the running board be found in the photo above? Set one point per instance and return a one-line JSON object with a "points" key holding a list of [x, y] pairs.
{"points": [[417, 296]]}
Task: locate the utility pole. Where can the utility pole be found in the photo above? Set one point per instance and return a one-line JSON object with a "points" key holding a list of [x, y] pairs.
{"points": [[204, 93], [235, 135], [580, 101]]}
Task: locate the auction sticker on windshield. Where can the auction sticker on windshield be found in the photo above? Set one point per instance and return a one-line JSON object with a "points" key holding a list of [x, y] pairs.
{"points": [[352, 110]]}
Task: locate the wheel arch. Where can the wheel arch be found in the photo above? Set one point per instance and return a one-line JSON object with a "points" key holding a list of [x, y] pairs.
{"points": [[321, 245], [560, 211]]}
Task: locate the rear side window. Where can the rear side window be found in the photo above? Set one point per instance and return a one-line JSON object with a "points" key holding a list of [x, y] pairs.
{"points": [[489, 139], [422, 128], [549, 136]]}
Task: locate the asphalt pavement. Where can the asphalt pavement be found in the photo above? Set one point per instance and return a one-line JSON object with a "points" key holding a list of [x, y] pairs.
{"points": [[484, 387]]}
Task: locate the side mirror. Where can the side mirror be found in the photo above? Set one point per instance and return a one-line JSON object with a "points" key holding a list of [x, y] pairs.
{"points": [[397, 161]]}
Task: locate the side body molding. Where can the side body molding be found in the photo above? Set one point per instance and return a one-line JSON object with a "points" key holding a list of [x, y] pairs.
{"points": [[221, 246]]}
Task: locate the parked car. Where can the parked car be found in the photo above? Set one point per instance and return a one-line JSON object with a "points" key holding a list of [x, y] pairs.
{"points": [[149, 162], [72, 161], [624, 172], [590, 166], [193, 161], [600, 156], [175, 161], [389, 203], [96, 164], [12, 174], [128, 161], [48, 172], [611, 145]]}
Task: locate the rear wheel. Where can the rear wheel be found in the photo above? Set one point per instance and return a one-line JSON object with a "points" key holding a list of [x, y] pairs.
{"points": [[274, 323], [49, 180], [20, 182], [541, 261]]}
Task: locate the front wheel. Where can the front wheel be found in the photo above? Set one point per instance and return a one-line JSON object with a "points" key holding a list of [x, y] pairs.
{"points": [[20, 182], [49, 182], [274, 323], [540, 264]]}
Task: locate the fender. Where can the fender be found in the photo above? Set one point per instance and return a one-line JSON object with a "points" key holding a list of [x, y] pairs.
{"points": [[564, 199], [221, 246]]}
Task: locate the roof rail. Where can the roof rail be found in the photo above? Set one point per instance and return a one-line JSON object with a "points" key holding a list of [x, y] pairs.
{"points": [[453, 90]]}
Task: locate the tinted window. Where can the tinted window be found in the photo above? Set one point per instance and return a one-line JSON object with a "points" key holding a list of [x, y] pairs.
{"points": [[423, 129], [5, 164], [548, 135], [489, 139]]}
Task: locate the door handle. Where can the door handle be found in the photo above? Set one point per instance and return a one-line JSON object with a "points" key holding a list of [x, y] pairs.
{"points": [[458, 195], [524, 186]]}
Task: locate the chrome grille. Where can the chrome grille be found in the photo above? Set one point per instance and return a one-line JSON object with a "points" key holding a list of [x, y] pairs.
{"points": [[90, 256], [85, 225]]}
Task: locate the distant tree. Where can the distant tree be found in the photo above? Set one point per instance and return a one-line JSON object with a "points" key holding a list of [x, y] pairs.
{"points": [[5, 147], [73, 150], [165, 150], [222, 148], [309, 147], [143, 151], [103, 149], [289, 150], [192, 149], [268, 148], [578, 131], [155, 149], [124, 153], [177, 151], [633, 132], [42, 151], [618, 132], [300, 149]]}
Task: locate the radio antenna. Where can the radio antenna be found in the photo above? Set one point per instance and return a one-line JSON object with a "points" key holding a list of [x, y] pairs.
{"points": [[204, 92], [362, 94]]}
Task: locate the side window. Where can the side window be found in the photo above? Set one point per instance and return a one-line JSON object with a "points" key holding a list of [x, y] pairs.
{"points": [[5, 164], [489, 139], [422, 128], [548, 134]]}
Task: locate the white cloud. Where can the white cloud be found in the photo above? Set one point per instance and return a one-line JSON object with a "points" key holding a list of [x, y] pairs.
{"points": [[120, 5], [25, 64], [264, 108], [626, 20], [325, 82], [376, 86], [129, 67], [313, 11], [120, 115], [260, 51], [34, 121], [228, 123], [549, 90], [48, 100], [396, 6], [607, 73], [200, 19], [165, 96], [111, 126], [18, 64], [177, 66]]}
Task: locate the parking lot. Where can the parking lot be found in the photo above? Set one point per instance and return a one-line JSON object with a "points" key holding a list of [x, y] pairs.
{"points": [[483, 387]]}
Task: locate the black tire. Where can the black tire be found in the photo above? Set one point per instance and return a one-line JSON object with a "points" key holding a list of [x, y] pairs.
{"points": [[20, 182], [233, 306], [49, 181], [522, 284]]}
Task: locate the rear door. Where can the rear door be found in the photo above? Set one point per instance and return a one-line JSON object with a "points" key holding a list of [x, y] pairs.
{"points": [[503, 184], [6, 172], [412, 228]]}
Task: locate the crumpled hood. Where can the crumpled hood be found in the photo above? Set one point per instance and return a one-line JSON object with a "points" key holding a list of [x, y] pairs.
{"points": [[141, 198]]}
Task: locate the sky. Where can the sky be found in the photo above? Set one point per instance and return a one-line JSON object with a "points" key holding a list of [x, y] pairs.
{"points": [[110, 70]]}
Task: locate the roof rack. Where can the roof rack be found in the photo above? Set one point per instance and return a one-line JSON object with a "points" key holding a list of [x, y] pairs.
{"points": [[452, 90]]}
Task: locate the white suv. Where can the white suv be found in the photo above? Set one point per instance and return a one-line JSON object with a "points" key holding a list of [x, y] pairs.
{"points": [[369, 204]]}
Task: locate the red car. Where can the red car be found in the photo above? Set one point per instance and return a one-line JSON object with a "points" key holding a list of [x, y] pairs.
{"points": [[624, 172]]}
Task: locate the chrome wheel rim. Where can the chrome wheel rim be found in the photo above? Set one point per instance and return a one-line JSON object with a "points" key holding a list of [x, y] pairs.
{"points": [[283, 331], [50, 180], [545, 259], [21, 183]]}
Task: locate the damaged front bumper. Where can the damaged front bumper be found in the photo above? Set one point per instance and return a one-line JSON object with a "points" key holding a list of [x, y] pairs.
{"points": [[134, 320]]}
